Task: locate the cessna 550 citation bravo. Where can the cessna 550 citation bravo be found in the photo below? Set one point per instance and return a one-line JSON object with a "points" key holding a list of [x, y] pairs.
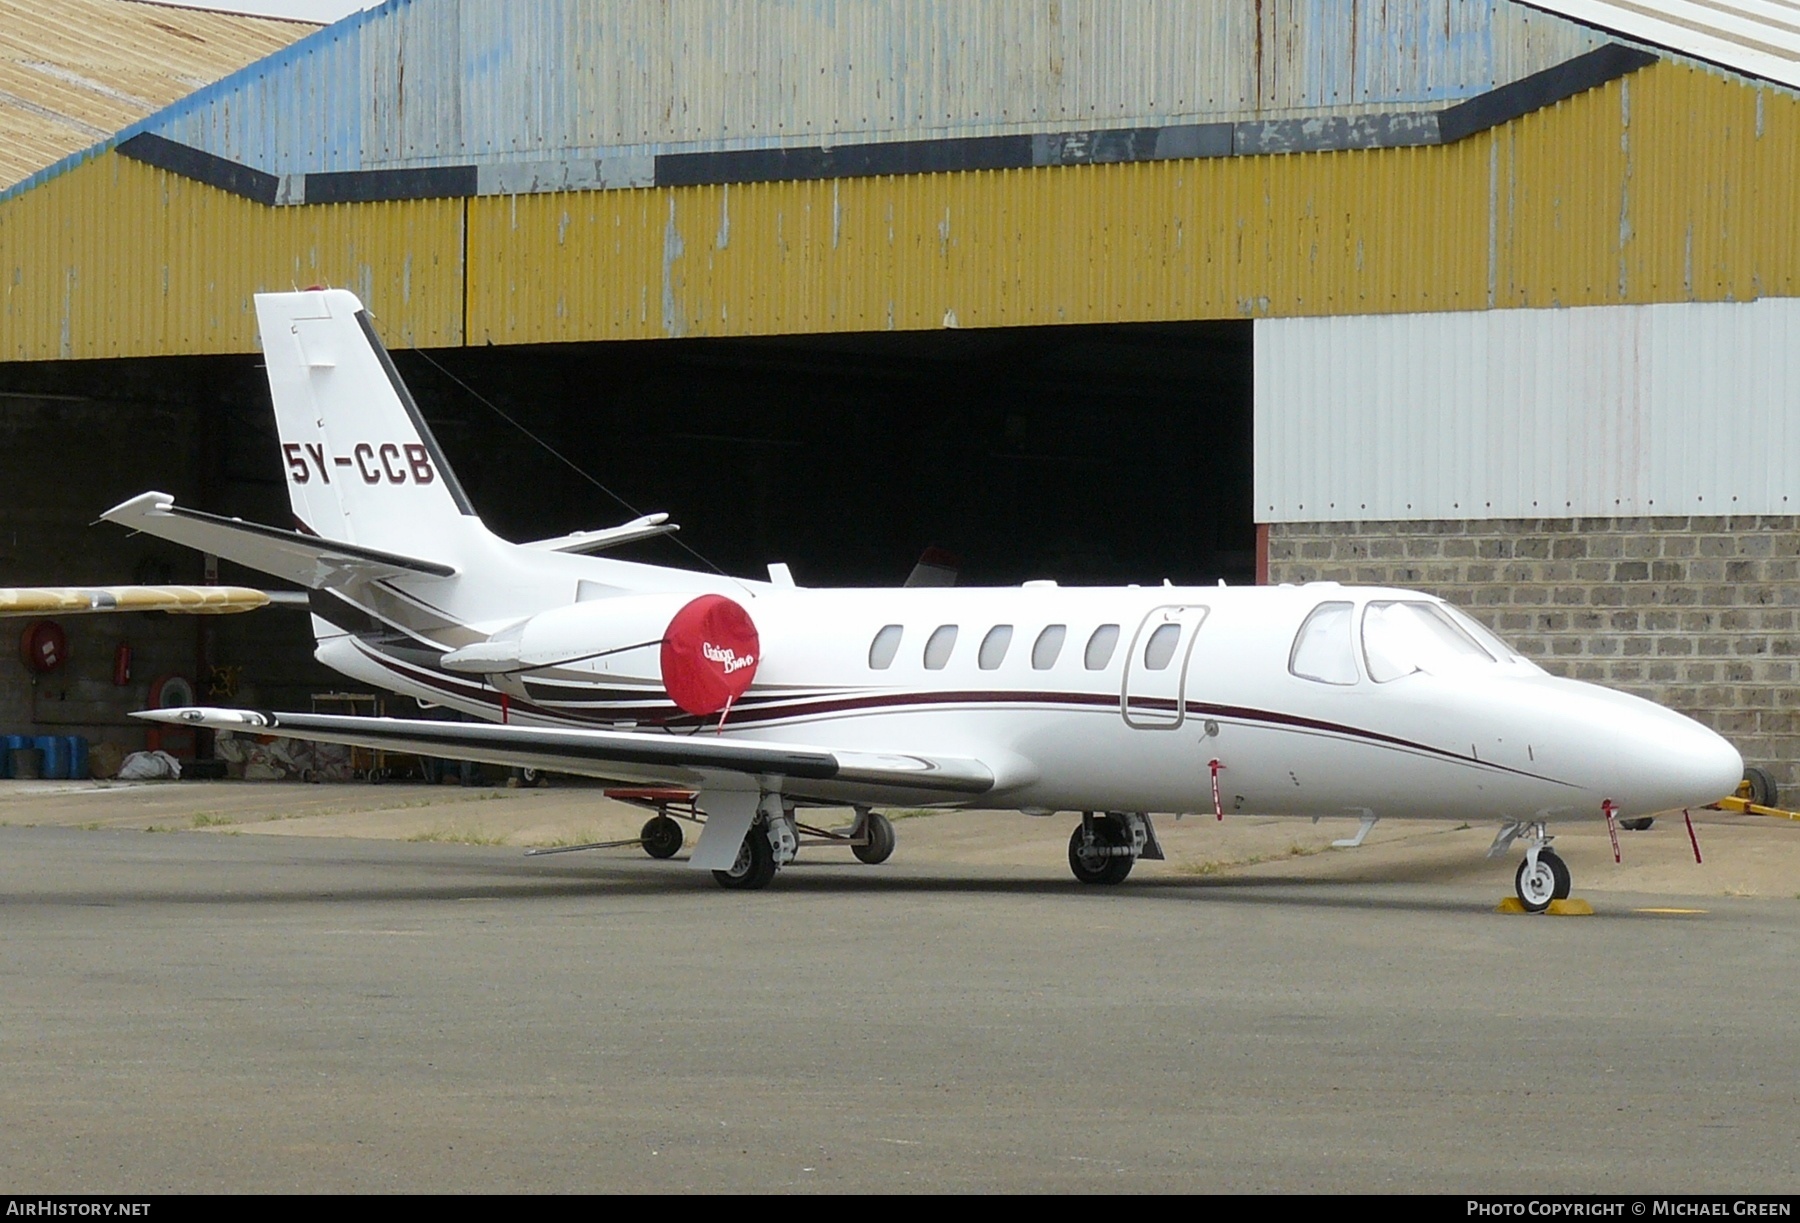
{"points": [[764, 698]]}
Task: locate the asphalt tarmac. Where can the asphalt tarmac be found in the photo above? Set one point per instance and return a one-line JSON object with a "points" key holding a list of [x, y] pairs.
{"points": [[188, 1012]]}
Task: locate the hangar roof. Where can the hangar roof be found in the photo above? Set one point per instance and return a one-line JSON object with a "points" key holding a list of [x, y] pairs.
{"points": [[479, 97], [75, 71], [1755, 37]]}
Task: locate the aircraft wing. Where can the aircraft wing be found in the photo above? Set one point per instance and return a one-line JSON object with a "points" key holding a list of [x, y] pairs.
{"points": [[692, 761], [309, 560], [80, 600]]}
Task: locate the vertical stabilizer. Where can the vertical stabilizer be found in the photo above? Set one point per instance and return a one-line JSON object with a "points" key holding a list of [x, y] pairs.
{"points": [[361, 465]]}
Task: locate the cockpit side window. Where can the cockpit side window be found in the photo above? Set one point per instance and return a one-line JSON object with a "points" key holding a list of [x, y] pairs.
{"points": [[1323, 648], [1483, 635], [1400, 637]]}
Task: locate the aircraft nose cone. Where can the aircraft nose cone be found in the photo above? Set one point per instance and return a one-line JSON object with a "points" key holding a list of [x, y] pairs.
{"points": [[1667, 760]]}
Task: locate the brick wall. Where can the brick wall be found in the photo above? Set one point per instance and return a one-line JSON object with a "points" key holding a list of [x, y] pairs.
{"points": [[1695, 613]]}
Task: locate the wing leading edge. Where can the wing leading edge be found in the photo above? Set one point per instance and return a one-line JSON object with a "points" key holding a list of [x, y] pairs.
{"points": [[304, 559], [690, 761]]}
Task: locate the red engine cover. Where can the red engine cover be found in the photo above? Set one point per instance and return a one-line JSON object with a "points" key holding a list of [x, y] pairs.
{"points": [[709, 654]]}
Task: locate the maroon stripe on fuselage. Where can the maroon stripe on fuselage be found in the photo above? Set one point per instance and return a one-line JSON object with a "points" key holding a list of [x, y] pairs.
{"points": [[669, 717]]}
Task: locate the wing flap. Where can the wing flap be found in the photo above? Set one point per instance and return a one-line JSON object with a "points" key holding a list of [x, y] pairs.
{"points": [[690, 761], [308, 560]]}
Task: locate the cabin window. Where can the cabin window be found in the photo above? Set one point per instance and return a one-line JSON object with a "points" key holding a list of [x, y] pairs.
{"points": [[1160, 649], [937, 649], [1049, 644], [1100, 647], [993, 646], [884, 647], [1323, 650], [1400, 638]]}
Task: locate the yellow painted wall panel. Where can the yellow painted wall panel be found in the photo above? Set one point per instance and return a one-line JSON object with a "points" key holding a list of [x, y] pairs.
{"points": [[116, 258], [1314, 233], [1675, 183]]}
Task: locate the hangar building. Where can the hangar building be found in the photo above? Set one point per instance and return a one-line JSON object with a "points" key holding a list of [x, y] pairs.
{"points": [[1492, 299]]}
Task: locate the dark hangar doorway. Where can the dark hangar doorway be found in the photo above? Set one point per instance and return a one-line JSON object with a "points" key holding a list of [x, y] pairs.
{"points": [[1092, 454]]}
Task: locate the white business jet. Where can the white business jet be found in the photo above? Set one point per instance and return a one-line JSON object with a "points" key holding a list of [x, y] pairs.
{"points": [[765, 699]]}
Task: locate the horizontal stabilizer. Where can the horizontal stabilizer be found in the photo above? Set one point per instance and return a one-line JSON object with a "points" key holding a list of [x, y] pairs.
{"points": [[639, 757], [81, 600], [647, 527], [308, 560]]}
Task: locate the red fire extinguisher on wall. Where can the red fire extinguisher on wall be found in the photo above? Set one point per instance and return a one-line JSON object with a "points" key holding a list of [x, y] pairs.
{"points": [[122, 665]]}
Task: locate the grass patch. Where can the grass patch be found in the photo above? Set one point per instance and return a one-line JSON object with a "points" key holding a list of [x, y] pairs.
{"points": [[211, 819], [457, 836], [1215, 866], [410, 804]]}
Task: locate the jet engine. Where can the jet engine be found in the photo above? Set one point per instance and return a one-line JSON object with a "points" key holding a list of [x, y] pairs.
{"points": [[703, 650]]}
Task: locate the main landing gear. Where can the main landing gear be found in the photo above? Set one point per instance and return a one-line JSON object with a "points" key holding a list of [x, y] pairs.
{"points": [[1106, 844], [768, 846], [1543, 876], [774, 840]]}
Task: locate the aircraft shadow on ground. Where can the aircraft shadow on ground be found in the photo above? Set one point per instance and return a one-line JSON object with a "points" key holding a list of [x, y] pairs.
{"points": [[607, 879]]}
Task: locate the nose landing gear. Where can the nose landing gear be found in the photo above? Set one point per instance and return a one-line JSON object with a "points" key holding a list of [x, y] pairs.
{"points": [[1543, 876]]}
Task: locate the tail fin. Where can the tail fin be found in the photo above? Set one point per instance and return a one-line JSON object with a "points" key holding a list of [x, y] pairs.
{"points": [[361, 465]]}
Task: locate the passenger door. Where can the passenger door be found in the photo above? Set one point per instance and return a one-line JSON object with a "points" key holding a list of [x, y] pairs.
{"points": [[1156, 668]]}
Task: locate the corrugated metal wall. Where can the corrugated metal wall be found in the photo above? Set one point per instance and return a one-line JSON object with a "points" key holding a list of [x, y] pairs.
{"points": [[487, 81], [1623, 411], [115, 258], [1672, 184]]}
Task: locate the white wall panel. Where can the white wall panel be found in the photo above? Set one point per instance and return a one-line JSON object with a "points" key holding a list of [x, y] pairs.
{"points": [[1601, 411]]}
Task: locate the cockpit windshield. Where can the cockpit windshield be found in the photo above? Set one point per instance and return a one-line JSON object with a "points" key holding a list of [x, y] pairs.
{"points": [[1403, 636]]}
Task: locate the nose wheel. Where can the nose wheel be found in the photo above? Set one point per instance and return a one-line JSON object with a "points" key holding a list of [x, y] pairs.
{"points": [[1542, 877]]}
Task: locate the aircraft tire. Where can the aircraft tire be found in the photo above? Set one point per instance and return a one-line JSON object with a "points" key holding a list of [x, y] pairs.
{"points": [[1536, 889], [1560, 869], [1110, 870], [1762, 787], [755, 865], [662, 837], [881, 840]]}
